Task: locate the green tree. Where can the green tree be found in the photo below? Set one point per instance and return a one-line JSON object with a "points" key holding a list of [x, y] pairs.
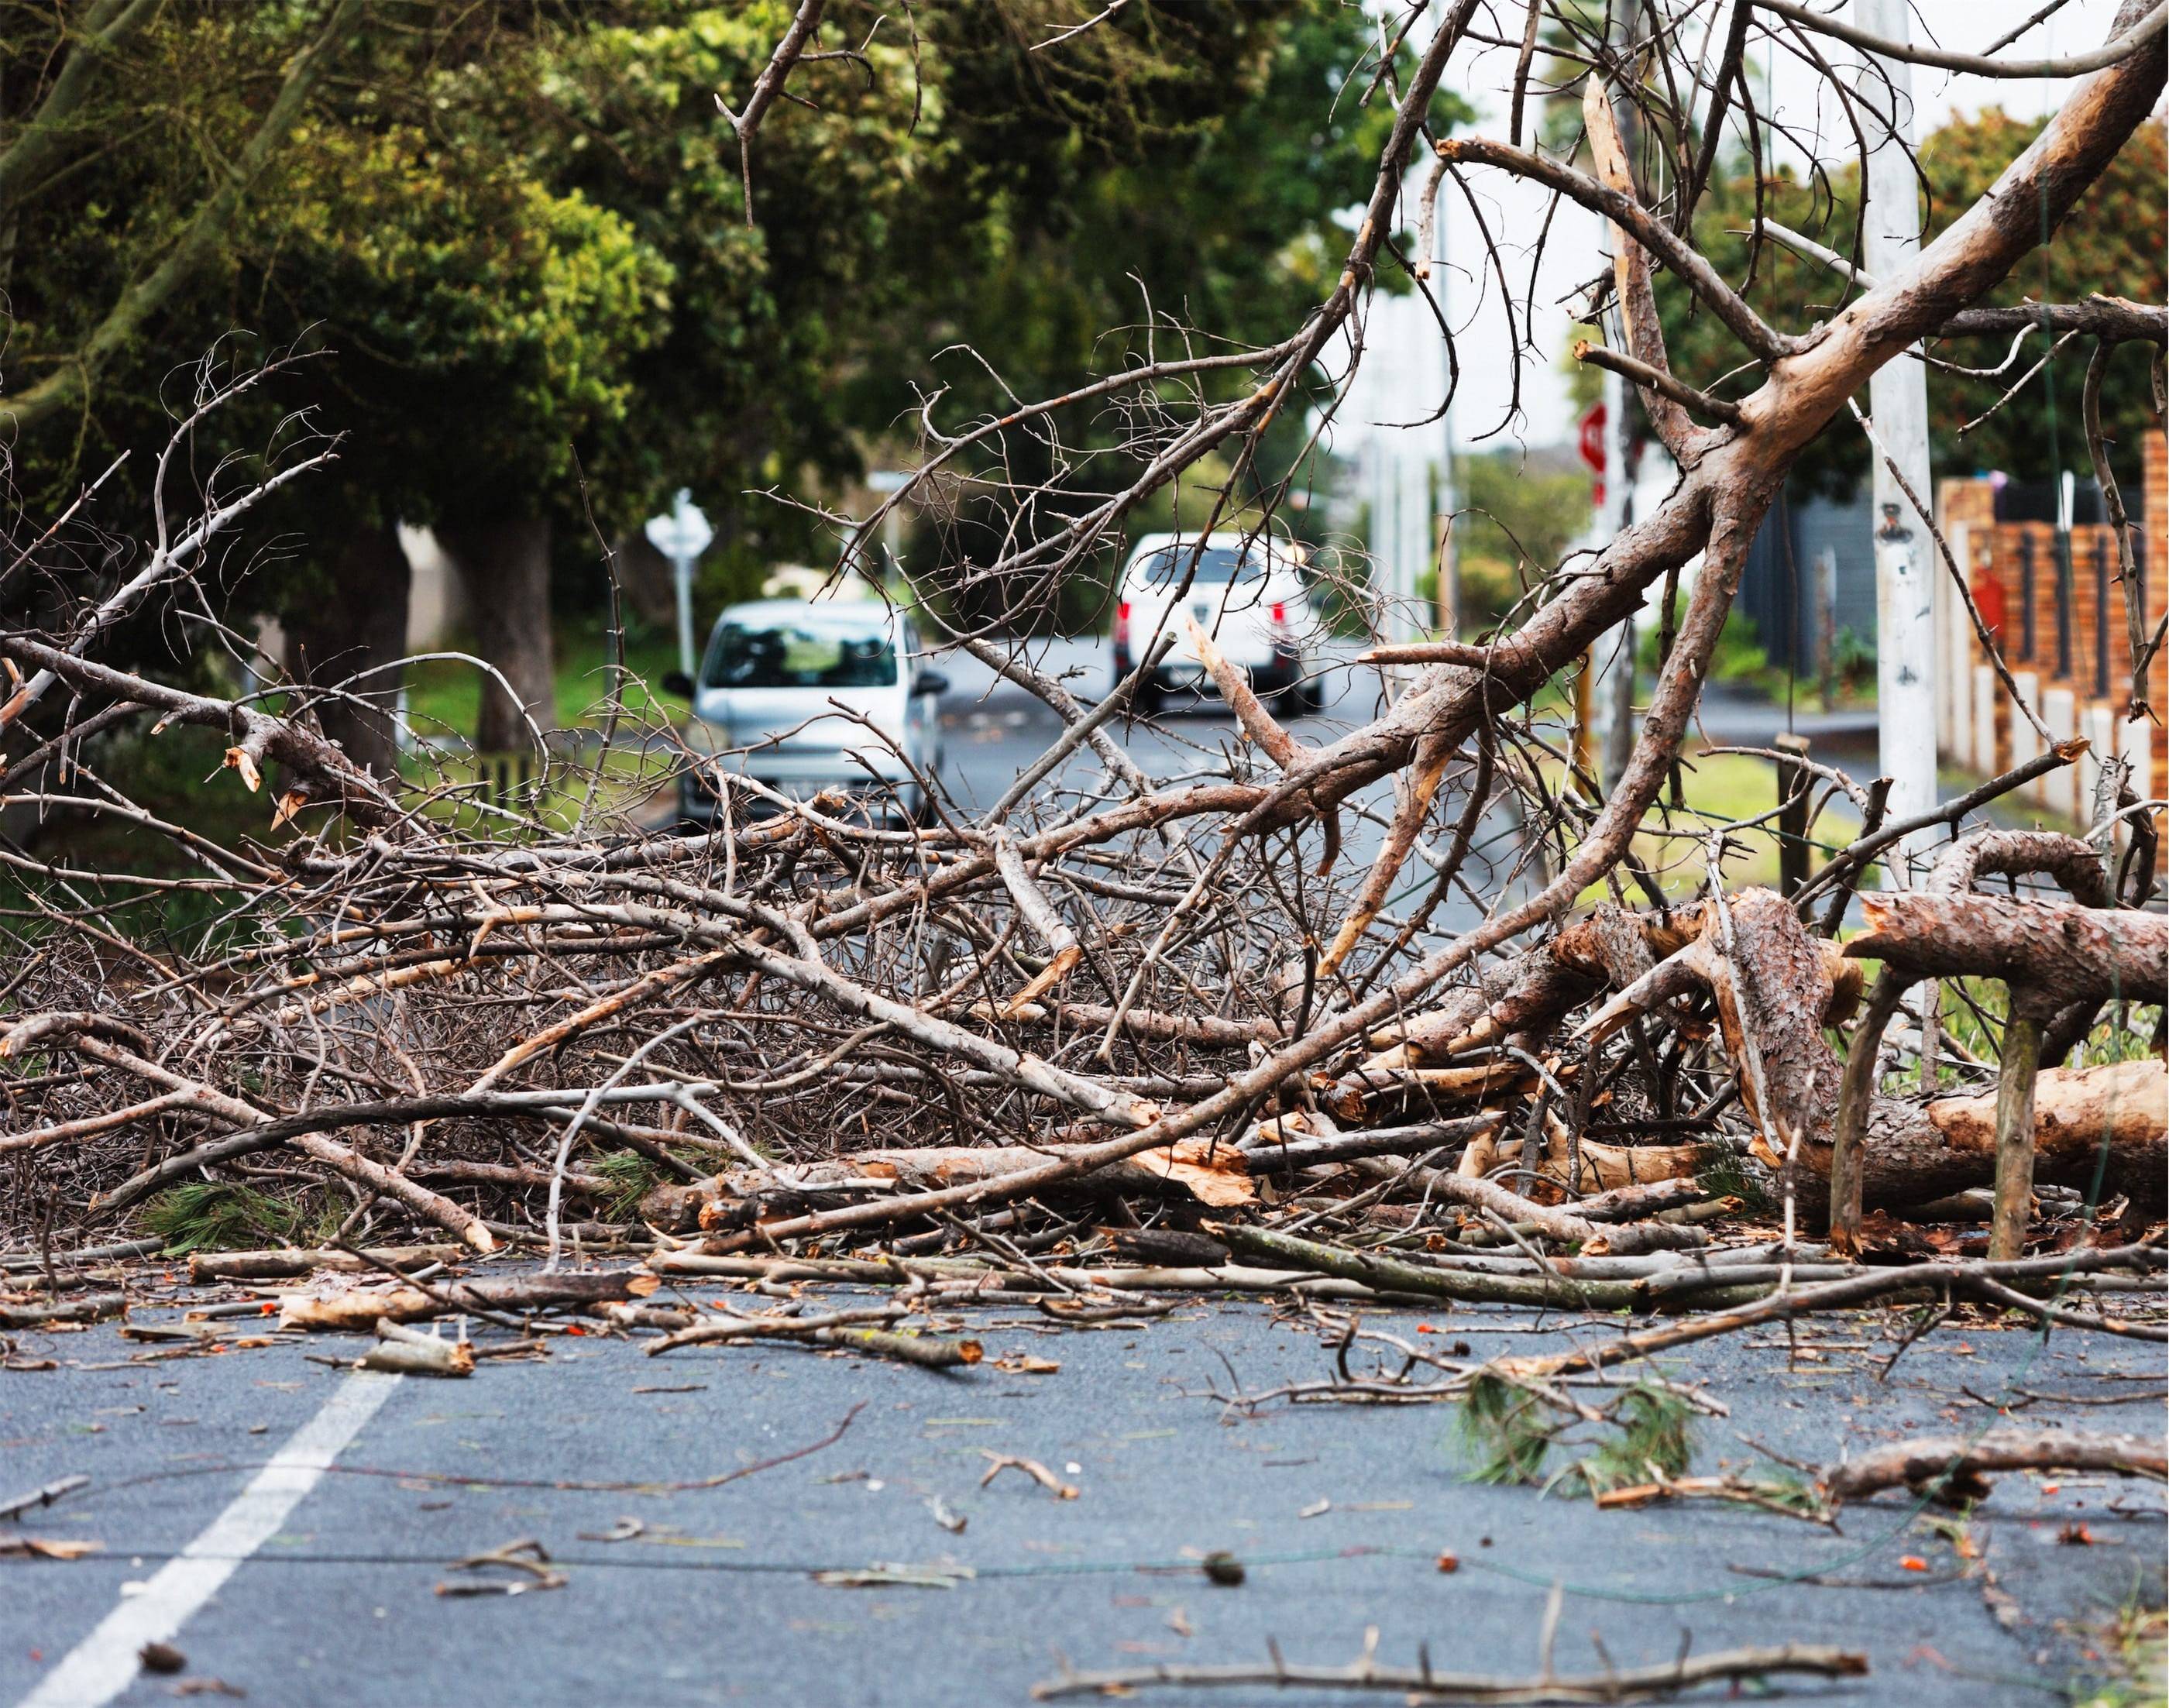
{"points": [[518, 232], [2112, 243], [1187, 173], [1516, 521]]}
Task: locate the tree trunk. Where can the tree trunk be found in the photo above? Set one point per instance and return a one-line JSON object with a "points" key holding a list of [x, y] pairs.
{"points": [[644, 579], [2050, 953], [2114, 1117], [358, 622], [506, 567]]}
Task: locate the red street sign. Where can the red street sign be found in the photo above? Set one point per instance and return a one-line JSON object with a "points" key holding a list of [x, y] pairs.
{"points": [[1591, 437]]}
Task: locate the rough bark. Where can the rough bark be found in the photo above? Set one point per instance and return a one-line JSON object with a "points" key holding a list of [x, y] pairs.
{"points": [[506, 566], [2051, 954], [1774, 986], [341, 1305], [355, 623], [1521, 1001]]}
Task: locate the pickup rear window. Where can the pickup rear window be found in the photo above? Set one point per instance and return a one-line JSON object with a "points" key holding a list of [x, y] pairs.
{"points": [[815, 650], [1215, 566]]}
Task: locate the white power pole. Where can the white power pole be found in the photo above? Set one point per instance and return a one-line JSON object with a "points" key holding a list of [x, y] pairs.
{"points": [[1898, 399], [1383, 533], [1412, 550], [1446, 608], [1613, 659]]}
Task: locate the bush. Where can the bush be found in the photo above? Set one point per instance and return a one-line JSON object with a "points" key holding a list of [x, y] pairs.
{"points": [[1739, 657], [1489, 590]]}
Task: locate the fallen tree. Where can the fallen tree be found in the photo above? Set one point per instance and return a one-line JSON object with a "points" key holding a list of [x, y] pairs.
{"points": [[1112, 997]]}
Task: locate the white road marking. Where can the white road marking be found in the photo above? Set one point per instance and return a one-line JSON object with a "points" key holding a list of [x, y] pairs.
{"points": [[104, 1663]]}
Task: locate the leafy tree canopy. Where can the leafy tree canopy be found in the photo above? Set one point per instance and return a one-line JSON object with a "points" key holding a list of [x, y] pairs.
{"points": [[520, 230], [2112, 242]]}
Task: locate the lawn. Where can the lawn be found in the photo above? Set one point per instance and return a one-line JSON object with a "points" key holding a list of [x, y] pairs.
{"points": [[443, 696], [1718, 789]]}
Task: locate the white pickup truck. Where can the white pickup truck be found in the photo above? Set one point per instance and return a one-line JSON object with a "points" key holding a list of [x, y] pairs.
{"points": [[1248, 594]]}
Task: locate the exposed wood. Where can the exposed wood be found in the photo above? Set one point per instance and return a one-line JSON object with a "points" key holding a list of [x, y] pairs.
{"points": [[1215, 1174], [2014, 1136], [1934, 1460], [352, 1308]]}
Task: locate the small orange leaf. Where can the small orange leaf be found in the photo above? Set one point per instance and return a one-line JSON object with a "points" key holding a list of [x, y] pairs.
{"points": [[1914, 1563]]}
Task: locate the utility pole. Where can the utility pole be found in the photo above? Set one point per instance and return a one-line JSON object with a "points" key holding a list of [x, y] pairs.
{"points": [[1445, 615], [1413, 549], [1612, 657], [1618, 712], [1898, 398]]}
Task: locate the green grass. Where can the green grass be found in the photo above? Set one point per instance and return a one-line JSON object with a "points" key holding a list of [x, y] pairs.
{"points": [[2130, 1649], [443, 696], [1725, 789], [472, 791]]}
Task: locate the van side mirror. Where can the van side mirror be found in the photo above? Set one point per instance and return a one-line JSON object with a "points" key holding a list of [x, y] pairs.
{"points": [[678, 682], [930, 682]]}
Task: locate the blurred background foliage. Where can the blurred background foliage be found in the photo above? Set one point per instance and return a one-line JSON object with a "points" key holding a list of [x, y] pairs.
{"points": [[516, 231]]}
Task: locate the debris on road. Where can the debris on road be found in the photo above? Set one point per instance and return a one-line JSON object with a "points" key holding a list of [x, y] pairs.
{"points": [[1424, 1683], [998, 1463], [43, 1496], [526, 1560]]}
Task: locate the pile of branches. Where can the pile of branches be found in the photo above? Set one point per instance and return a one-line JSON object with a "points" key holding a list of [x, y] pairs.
{"points": [[1357, 982]]}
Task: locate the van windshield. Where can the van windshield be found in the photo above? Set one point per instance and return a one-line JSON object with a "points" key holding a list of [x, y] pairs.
{"points": [[818, 649], [1215, 566]]}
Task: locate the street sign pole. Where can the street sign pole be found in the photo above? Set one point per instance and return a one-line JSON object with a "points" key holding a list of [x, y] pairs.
{"points": [[681, 572], [682, 536]]}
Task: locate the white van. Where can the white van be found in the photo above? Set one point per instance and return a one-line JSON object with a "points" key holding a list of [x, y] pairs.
{"points": [[1248, 594], [808, 695]]}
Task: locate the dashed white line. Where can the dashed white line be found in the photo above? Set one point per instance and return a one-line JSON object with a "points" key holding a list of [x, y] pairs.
{"points": [[105, 1663]]}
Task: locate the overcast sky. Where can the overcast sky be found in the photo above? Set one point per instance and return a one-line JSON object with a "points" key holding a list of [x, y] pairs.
{"points": [[1404, 375]]}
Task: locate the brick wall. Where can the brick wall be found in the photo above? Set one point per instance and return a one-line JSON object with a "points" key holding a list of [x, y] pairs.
{"points": [[2063, 645]]}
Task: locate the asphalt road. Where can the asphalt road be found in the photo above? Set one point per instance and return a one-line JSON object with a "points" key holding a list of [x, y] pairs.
{"points": [[1339, 1514]]}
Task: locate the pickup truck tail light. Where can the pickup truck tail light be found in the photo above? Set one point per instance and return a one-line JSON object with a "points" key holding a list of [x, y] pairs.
{"points": [[1122, 626], [1279, 614]]}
